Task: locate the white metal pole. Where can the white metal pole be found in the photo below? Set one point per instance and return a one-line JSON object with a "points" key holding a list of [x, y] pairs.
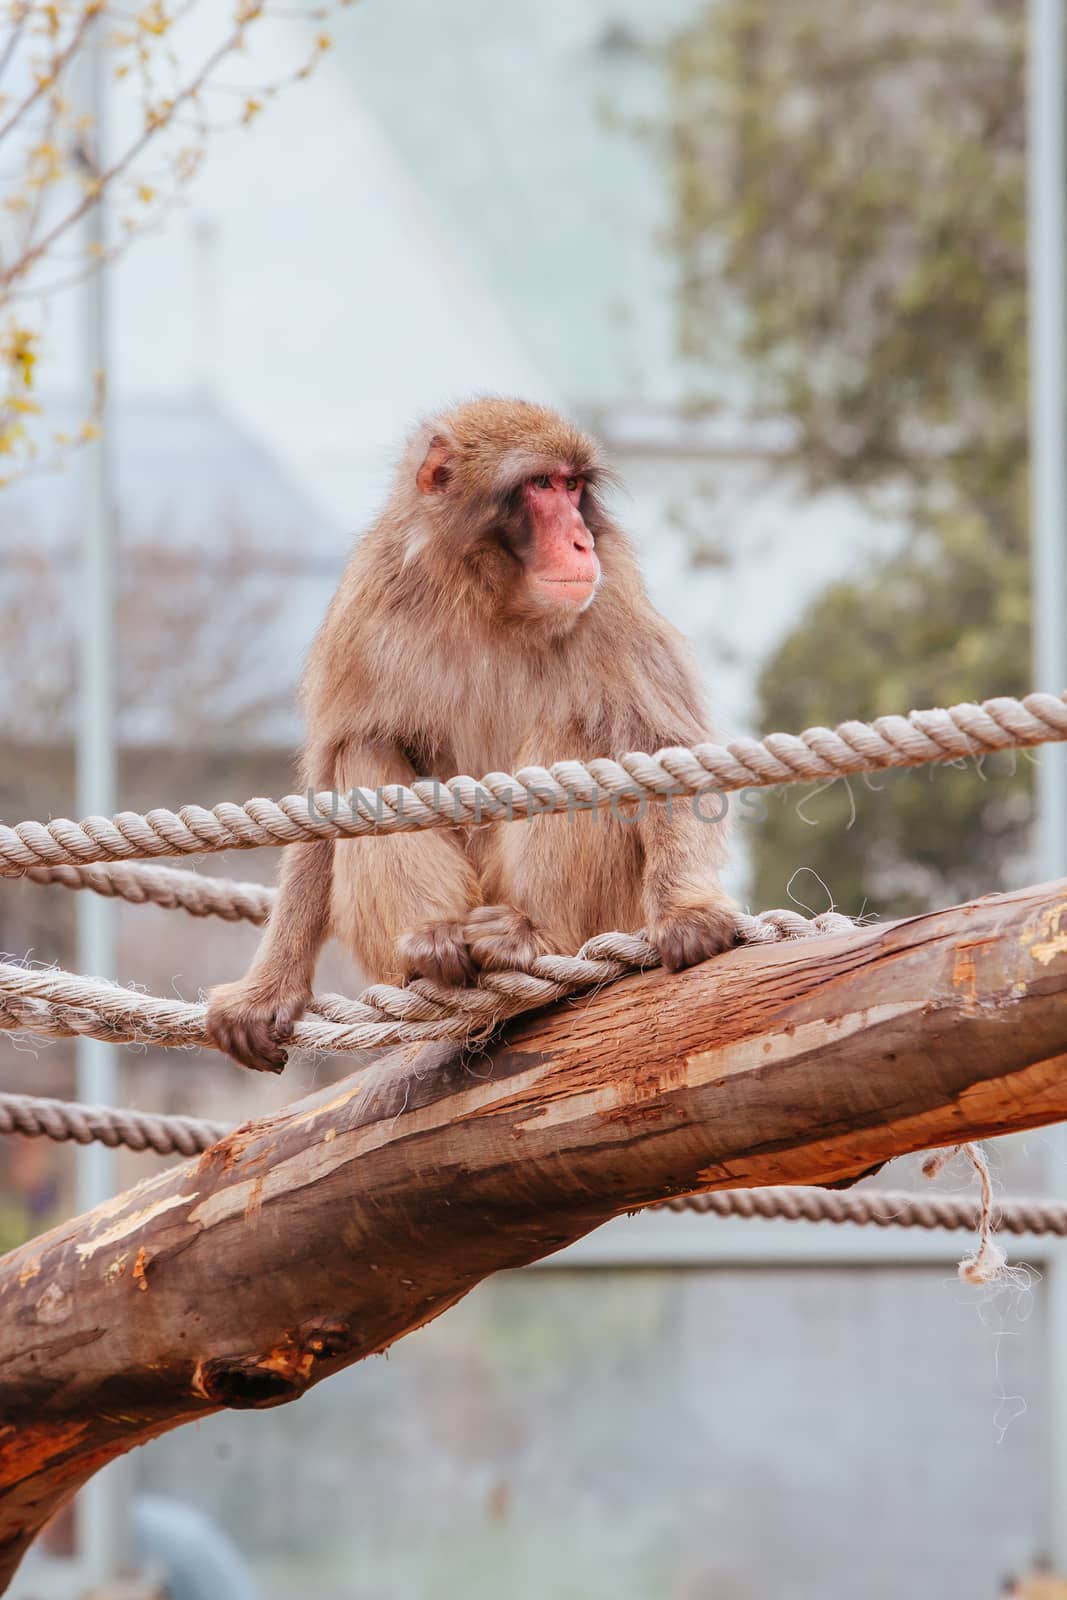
{"points": [[1048, 405], [96, 783], [103, 1538], [1047, 233]]}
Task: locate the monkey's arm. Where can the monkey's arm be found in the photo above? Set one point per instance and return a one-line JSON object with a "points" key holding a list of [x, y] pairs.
{"points": [[399, 903], [253, 1019], [688, 914]]}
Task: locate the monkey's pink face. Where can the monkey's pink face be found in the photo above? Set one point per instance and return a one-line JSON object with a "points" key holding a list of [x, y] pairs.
{"points": [[521, 537], [561, 562]]}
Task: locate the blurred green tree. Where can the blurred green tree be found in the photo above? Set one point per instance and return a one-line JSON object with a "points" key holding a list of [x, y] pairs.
{"points": [[851, 222]]}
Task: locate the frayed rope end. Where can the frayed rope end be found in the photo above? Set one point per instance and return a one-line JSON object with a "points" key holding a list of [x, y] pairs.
{"points": [[988, 1264]]}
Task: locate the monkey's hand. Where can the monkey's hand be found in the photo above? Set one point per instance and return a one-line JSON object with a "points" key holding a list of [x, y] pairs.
{"points": [[438, 951], [253, 1022], [689, 932], [488, 939], [500, 938]]}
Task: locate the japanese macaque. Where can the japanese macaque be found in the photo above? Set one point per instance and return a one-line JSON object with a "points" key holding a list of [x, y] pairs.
{"points": [[493, 618]]}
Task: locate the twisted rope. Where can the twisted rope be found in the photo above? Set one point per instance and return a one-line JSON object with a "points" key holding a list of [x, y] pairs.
{"points": [[62, 1121], [142, 884], [960, 732], [62, 1005], [876, 1208]]}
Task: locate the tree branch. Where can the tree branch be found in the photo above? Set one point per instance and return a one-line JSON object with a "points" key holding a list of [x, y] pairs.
{"points": [[310, 1239]]}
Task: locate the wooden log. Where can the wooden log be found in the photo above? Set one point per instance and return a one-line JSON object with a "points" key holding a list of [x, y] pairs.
{"points": [[310, 1239]]}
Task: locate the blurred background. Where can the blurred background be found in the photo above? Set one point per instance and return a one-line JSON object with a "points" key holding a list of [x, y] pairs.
{"points": [[776, 256]]}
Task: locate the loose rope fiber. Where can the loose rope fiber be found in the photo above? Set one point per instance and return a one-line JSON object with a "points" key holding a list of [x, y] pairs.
{"points": [[63, 1121], [62, 1005], [958, 733], [988, 1262]]}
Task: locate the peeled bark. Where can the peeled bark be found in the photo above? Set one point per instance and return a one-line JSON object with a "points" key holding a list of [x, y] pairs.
{"points": [[310, 1239]]}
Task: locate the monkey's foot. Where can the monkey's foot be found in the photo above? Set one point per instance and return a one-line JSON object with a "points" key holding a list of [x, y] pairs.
{"points": [[685, 937], [438, 952], [255, 1025], [500, 938]]}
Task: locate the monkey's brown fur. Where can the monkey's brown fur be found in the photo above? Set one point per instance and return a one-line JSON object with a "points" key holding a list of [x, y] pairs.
{"points": [[440, 653]]}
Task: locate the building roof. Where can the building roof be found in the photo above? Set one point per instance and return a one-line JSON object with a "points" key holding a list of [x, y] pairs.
{"points": [[188, 481], [183, 471]]}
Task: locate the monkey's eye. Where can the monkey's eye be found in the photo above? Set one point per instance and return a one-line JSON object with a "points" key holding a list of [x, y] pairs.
{"points": [[542, 481], [572, 484]]}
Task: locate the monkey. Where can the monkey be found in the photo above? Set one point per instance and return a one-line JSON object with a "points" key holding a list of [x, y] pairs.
{"points": [[493, 617]]}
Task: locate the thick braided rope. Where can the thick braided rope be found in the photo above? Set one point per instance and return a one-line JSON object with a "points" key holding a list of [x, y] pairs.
{"points": [[877, 1208], [170, 887], [960, 732], [61, 1005], [63, 1120], [134, 1130]]}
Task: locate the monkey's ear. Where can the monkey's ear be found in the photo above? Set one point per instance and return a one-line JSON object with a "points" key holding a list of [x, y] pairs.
{"points": [[432, 477]]}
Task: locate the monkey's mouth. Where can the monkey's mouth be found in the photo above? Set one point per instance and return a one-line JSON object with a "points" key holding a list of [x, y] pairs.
{"points": [[571, 591]]}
